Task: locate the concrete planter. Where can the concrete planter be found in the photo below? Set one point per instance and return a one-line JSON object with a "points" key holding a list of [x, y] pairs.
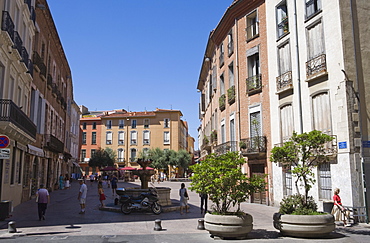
{"points": [[228, 226], [307, 226]]}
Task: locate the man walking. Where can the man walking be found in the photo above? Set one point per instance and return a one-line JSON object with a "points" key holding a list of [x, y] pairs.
{"points": [[82, 195], [42, 199]]}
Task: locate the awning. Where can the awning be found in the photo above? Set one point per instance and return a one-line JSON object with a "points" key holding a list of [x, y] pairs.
{"points": [[35, 150]]}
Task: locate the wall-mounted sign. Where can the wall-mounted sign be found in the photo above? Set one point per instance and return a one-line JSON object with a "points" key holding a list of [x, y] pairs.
{"points": [[342, 145], [4, 141], [366, 144]]}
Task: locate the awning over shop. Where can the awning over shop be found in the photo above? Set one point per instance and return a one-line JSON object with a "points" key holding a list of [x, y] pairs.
{"points": [[35, 150]]}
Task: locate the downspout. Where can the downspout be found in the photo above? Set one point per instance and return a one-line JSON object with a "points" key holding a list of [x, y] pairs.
{"points": [[359, 110], [237, 80], [298, 70]]}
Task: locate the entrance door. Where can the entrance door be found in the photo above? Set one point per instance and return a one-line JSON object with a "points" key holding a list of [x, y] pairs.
{"points": [[258, 197]]}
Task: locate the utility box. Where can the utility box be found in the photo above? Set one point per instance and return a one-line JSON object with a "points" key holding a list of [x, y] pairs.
{"points": [[5, 208], [328, 206]]}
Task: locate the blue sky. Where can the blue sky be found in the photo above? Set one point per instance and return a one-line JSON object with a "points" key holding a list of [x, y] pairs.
{"points": [[137, 55]]}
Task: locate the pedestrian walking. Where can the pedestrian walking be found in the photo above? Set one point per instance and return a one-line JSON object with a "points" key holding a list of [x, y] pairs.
{"points": [[82, 196], [101, 194], [340, 213], [184, 197], [114, 184], [42, 199], [61, 182], [203, 202], [66, 183]]}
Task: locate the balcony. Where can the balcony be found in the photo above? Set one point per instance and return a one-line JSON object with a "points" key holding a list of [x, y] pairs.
{"points": [[254, 84], [8, 25], [53, 143], [284, 82], [254, 146], [18, 43], [223, 148], [231, 95], [11, 115], [49, 81], [316, 67], [39, 63], [221, 102]]}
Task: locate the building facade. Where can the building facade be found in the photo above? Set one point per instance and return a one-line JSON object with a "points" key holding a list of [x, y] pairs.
{"points": [[316, 51], [129, 133], [233, 82], [36, 101]]}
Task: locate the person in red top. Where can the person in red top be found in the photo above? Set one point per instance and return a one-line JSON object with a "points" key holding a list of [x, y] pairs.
{"points": [[340, 213]]}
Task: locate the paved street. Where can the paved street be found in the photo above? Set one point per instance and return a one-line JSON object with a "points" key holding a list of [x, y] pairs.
{"points": [[63, 223]]}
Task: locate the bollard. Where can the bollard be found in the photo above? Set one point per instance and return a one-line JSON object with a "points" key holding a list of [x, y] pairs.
{"points": [[11, 227], [200, 224], [157, 225]]}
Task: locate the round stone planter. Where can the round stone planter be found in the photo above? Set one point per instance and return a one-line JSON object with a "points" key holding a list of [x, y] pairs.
{"points": [[228, 226], [307, 226]]}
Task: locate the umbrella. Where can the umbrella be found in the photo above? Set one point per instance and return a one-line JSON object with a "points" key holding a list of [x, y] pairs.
{"points": [[148, 168], [127, 168], [109, 168]]}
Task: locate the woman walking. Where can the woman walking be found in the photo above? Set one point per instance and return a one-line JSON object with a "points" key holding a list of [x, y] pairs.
{"points": [[101, 194], [184, 197], [340, 213]]}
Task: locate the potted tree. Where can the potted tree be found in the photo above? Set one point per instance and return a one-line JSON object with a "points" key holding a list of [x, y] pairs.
{"points": [[220, 177], [298, 214]]}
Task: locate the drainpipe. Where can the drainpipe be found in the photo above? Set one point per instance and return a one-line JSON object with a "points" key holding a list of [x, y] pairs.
{"points": [[237, 81], [298, 70], [359, 110]]}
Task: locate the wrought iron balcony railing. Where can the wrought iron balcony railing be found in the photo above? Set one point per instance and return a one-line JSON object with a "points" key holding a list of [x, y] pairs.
{"points": [[53, 143], [7, 24], [221, 102], [254, 83], [315, 66], [226, 147], [18, 43], [253, 145], [37, 60], [10, 112], [284, 81]]}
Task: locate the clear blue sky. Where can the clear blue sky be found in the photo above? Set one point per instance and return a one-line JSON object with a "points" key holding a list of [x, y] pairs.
{"points": [[137, 55]]}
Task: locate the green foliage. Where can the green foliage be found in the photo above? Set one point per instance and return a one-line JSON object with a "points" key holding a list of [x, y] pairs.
{"points": [[302, 153], [102, 158], [298, 204], [222, 179], [163, 158]]}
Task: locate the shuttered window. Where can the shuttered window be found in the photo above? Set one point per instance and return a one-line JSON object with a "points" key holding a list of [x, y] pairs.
{"points": [[315, 41], [133, 138], [121, 138], [109, 136], [285, 64], [146, 137], [321, 113], [286, 122]]}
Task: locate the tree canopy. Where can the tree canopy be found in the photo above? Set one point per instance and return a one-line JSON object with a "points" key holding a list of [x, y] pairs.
{"points": [[102, 158], [163, 158]]}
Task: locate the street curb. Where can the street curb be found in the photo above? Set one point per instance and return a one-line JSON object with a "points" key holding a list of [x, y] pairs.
{"points": [[118, 209]]}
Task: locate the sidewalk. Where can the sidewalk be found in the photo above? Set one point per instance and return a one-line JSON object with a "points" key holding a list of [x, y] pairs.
{"points": [[63, 221]]}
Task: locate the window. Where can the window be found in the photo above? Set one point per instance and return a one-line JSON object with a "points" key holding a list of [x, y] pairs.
{"points": [[133, 155], [166, 123], [324, 181], [166, 137], [109, 124], [121, 124], [146, 123], [321, 113], [286, 122], [222, 52], [312, 7], [121, 138], [120, 156], [84, 126], [93, 138], [252, 26], [315, 40], [255, 127], [254, 77], [284, 60], [83, 155], [231, 75], [287, 181], [282, 19], [214, 78], [94, 125], [84, 138], [92, 153], [232, 133], [109, 136], [133, 137], [133, 123], [230, 43], [222, 84], [146, 137], [223, 132]]}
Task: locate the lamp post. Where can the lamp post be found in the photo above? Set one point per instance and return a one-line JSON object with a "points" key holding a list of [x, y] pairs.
{"points": [[127, 142]]}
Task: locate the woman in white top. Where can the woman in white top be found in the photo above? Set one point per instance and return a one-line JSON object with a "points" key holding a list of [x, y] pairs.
{"points": [[184, 197]]}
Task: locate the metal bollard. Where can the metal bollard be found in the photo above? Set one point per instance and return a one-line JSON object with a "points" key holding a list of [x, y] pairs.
{"points": [[157, 225], [200, 224], [11, 227]]}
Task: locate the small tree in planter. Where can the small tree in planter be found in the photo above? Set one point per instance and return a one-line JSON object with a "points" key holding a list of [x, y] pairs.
{"points": [[220, 177], [302, 153]]}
